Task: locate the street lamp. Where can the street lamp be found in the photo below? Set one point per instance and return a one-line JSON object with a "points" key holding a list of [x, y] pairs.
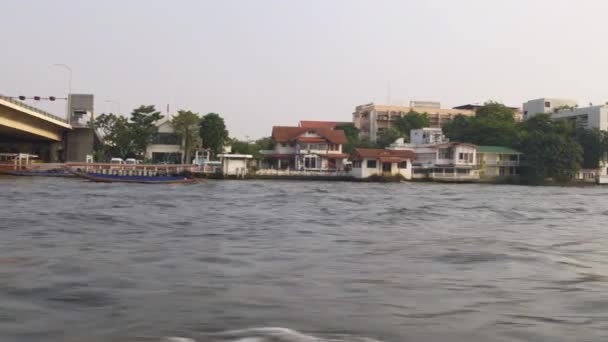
{"points": [[68, 104], [116, 103]]}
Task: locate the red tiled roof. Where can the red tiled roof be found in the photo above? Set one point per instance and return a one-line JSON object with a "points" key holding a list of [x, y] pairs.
{"points": [[378, 153], [282, 134], [311, 139], [322, 124]]}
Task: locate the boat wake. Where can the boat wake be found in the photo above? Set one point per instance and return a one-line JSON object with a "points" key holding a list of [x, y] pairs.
{"points": [[269, 334]]}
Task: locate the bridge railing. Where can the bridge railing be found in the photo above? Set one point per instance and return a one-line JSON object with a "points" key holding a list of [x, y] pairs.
{"points": [[33, 109]]}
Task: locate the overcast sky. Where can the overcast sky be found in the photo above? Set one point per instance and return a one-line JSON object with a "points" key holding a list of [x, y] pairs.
{"points": [[273, 62]]}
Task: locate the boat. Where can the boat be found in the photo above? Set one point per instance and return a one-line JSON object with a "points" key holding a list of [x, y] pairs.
{"points": [[105, 178], [38, 173], [22, 164]]}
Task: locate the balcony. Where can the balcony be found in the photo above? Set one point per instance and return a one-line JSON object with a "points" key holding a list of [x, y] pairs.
{"points": [[506, 163]]}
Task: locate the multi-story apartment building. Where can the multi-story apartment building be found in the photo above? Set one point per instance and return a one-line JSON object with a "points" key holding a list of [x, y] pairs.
{"points": [[585, 117], [373, 119]]}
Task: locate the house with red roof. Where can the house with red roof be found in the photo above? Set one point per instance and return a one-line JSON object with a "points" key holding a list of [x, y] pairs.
{"points": [[367, 162], [305, 149]]}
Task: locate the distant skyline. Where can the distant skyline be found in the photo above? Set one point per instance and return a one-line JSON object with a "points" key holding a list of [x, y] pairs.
{"points": [[274, 62]]}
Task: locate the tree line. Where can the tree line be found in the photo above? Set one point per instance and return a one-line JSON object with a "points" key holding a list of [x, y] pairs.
{"points": [[552, 149], [128, 137]]}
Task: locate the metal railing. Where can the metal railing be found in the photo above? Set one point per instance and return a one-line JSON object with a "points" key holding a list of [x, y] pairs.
{"points": [[308, 173], [452, 176], [33, 109], [500, 163]]}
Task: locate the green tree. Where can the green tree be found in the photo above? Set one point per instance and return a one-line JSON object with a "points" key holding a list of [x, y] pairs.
{"points": [[595, 146], [550, 150], [143, 128], [495, 110], [352, 136], [116, 135], [213, 132], [265, 143], [186, 126], [458, 129], [411, 120], [493, 124], [253, 148], [388, 137]]}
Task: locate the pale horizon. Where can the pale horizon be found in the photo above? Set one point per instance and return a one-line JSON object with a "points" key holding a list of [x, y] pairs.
{"points": [[267, 63]]}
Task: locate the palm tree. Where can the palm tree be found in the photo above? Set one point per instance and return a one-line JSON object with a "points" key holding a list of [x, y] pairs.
{"points": [[186, 126]]}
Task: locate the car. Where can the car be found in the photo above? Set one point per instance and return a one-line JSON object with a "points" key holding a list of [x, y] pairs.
{"points": [[131, 161], [117, 161]]}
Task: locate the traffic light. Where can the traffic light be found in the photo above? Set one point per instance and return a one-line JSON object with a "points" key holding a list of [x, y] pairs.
{"points": [[51, 98], [37, 98], [22, 98]]}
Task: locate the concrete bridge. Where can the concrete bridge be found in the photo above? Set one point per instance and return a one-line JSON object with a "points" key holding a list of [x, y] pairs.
{"points": [[21, 122], [26, 129]]}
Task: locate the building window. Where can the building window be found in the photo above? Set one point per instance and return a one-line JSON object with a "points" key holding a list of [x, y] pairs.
{"points": [[465, 157], [166, 139], [372, 164], [310, 162], [357, 164], [403, 165], [168, 158], [547, 104], [445, 153]]}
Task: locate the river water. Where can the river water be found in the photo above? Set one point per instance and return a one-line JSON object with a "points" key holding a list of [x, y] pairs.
{"points": [[272, 261]]}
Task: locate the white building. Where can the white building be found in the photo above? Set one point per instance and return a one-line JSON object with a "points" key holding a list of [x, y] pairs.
{"points": [[546, 105], [368, 162], [427, 135], [585, 117], [166, 146], [235, 164], [439, 159]]}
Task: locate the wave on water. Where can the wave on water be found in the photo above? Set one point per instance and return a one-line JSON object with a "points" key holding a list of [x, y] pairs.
{"points": [[269, 334]]}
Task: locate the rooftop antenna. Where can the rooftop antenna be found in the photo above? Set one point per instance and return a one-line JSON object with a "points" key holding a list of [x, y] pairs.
{"points": [[168, 110], [389, 93]]}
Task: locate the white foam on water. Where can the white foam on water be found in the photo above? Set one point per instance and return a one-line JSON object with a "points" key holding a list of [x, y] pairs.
{"points": [[250, 339], [277, 334], [179, 339]]}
